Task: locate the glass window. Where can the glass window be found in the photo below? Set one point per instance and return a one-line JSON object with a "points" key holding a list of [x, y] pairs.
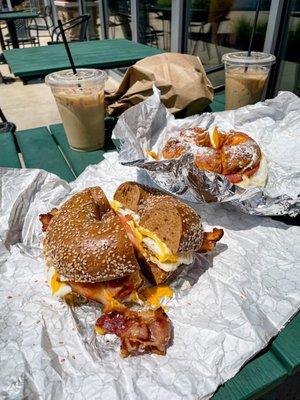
{"points": [[92, 8], [289, 71], [119, 13], [155, 23], [221, 26]]}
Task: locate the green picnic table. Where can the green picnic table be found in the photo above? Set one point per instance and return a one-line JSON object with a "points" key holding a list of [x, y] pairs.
{"points": [[37, 62], [10, 17], [39, 148]]}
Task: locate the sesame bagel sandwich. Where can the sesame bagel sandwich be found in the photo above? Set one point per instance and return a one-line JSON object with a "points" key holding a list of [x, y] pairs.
{"points": [[101, 251], [89, 254]]}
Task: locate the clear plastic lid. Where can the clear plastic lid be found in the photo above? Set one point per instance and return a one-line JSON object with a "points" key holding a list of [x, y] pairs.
{"points": [[83, 75], [241, 57]]}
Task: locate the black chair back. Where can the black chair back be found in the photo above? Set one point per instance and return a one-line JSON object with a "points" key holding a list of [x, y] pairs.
{"points": [[6, 126], [81, 22]]}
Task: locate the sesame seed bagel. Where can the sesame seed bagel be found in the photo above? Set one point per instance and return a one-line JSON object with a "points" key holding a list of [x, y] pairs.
{"points": [[86, 242], [174, 223]]}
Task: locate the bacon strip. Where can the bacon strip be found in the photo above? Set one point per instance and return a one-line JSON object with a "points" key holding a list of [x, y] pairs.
{"points": [[140, 332], [210, 239], [46, 218]]}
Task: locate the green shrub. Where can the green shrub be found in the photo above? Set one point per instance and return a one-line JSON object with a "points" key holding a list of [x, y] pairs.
{"points": [[242, 33]]}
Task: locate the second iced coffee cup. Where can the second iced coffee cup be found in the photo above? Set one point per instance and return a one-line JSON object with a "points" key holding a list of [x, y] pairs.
{"points": [[245, 77], [80, 102]]}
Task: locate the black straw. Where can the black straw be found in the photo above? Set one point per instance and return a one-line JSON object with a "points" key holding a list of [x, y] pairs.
{"points": [[254, 27], [62, 32], [253, 30]]}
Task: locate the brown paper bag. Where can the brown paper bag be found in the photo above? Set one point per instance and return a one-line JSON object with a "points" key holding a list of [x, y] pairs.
{"points": [[181, 79]]}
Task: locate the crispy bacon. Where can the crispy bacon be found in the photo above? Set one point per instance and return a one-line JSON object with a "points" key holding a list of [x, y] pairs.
{"points": [[140, 332], [210, 239], [46, 218]]}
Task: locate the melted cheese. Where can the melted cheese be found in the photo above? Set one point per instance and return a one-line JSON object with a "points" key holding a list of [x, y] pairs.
{"points": [[99, 330], [259, 179], [154, 295], [58, 288], [117, 207]]}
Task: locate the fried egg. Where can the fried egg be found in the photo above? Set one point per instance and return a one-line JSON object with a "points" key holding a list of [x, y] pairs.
{"points": [[259, 179], [57, 286], [150, 245], [117, 207]]}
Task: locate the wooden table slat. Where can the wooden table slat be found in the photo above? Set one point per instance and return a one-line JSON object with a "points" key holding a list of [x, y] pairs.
{"points": [[78, 160], [287, 345], [39, 150], [8, 152], [256, 378]]}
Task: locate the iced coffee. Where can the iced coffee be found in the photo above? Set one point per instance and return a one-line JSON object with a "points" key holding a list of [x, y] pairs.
{"points": [[80, 101], [245, 78]]}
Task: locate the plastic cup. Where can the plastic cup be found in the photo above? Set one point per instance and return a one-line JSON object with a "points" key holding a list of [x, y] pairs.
{"points": [[245, 77], [80, 102]]}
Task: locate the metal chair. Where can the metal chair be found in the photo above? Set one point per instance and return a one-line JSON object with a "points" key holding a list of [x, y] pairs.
{"points": [[81, 22], [47, 17], [6, 126], [24, 34]]}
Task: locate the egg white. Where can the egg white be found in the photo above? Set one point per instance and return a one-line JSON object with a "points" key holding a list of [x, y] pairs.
{"points": [[259, 179], [182, 258]]}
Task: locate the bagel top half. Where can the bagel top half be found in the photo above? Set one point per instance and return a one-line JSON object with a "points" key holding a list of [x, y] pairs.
{"points": [[86, 242]]}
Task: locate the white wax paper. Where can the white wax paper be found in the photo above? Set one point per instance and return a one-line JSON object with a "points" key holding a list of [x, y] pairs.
{"points": [[227, 305]]}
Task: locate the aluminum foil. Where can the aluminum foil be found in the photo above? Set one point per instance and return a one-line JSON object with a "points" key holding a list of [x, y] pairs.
{"points": [[274, 124], [226, 307]]}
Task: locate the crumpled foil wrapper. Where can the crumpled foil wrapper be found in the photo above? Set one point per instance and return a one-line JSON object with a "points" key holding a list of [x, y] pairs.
{"points": [[274, 124], [226, 307]]}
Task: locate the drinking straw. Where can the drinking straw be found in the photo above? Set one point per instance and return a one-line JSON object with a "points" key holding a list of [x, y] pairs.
{"points": [[62, 32], [253, 29]]}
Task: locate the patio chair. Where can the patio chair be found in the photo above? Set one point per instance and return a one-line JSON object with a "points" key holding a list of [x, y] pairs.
{"points": [[46, 19], [6, 126], [80, 22], [24, 34]]}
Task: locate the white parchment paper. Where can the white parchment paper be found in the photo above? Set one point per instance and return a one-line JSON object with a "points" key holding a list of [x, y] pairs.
{"points": [[227, 305]]}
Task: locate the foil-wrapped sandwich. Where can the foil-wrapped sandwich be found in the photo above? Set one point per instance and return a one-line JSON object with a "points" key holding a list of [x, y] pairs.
{"points": [[245, 157], [233, 154]]}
